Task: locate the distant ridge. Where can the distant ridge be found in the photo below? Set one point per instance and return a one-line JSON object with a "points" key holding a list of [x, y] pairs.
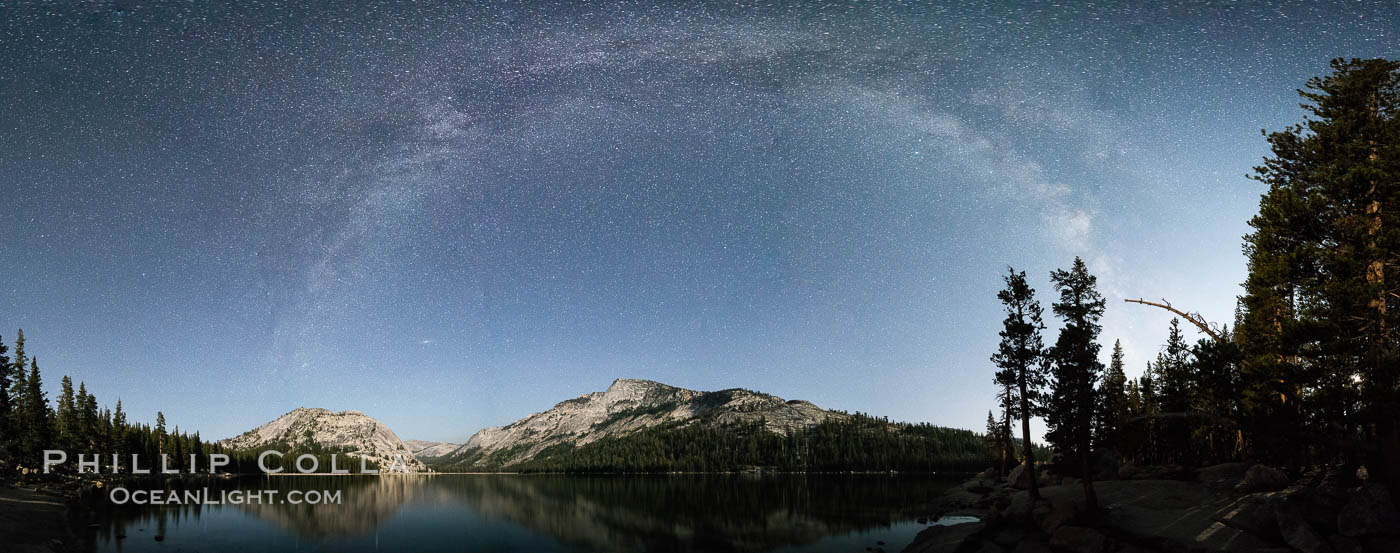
{"points": [[626, 407], [427, 451]]}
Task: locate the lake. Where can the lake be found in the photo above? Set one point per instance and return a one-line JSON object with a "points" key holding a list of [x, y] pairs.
{"points": [[545, 513]]}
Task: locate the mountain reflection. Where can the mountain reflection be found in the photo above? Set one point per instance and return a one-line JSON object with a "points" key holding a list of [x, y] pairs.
{"points": [[365, 503], [597, 513], [695, 513]]}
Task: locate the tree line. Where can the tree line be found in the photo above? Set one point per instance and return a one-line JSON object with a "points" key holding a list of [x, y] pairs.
{"points": [[853, 442], [30, 424], [1309, 374]]}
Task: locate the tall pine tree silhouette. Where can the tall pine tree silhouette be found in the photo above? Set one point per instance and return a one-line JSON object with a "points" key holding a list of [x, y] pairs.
{"points": [[1019, 356], [1075, 355], [1322, 298]]}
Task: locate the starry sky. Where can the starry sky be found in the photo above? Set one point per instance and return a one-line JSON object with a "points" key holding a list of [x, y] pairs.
{"points": [[451, 216]]}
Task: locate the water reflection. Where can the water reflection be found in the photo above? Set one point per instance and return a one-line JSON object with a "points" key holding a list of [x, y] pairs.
{"points": [[554, 512], [365, 503]]}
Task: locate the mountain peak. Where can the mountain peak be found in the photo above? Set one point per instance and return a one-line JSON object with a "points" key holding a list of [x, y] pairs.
{"points": [[630, 405], [635, 384], [324, 411], [357, 432]]}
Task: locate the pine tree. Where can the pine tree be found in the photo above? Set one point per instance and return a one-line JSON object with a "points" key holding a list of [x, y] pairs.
{"points": [[38, 432], [1318, 332], [19, 424], [103, 441], [1277, 254], [1354, 155], [119, 417], [21, 362], [117, 439], [1008, 400], [1114, 395], [1175, 391], [998, 441], [1135, 432], [87, 417], [1147, 386], [6, 402], [160, 431], [1019, 354], [1215, 372], [66, 420], [1070, 413], [83, 423]]}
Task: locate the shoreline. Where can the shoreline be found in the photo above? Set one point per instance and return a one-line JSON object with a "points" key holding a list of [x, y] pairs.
{"points": [[1220, 508], [36, 519]]}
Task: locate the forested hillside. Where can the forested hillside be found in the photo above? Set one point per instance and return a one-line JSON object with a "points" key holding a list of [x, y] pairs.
{"points": [[857, 443]]}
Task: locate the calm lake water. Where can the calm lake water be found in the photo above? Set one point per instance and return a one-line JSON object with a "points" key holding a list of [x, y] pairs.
{"points": [[545, 513]]}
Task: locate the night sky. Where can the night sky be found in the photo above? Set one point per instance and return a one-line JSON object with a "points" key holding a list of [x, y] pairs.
{"points": [[450, 217]]}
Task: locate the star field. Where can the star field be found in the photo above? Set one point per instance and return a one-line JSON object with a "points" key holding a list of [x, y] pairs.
{"points": [[450, 216]]}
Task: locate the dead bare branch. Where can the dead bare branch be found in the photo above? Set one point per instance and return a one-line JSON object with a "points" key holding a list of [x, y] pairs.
{"points": [[1193, 318]]}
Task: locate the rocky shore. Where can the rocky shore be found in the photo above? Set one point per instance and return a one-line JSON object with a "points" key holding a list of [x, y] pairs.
{"points": [[1223, 508], [51, 513], [39, 518]]}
